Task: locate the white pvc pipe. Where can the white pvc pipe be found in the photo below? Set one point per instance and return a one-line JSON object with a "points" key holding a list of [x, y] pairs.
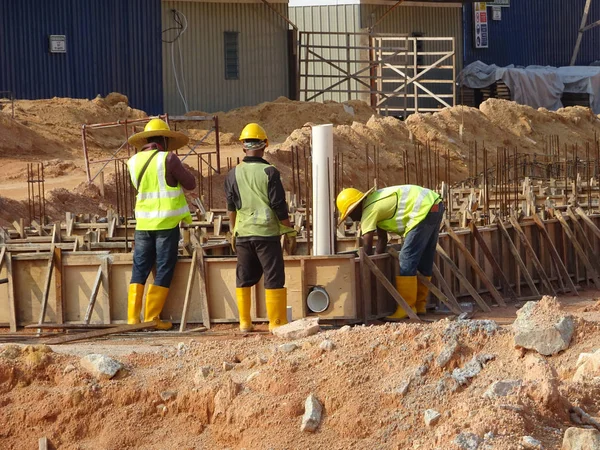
{"points": [[323, 195]]}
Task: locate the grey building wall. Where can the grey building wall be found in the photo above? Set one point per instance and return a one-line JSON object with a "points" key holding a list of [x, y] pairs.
{"points": [[263, 55]]}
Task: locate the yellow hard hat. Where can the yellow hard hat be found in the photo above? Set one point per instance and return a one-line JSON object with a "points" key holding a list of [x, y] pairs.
{"points": [[158, 127], [254, 131], [348, 200]]}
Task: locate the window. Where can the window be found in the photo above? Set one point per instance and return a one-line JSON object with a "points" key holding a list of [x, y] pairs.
{"points": [[232, 63]]}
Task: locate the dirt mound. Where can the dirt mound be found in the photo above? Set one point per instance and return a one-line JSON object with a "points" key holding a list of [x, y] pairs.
{"points": [[20, 141], [281, 117], [375, 386]]}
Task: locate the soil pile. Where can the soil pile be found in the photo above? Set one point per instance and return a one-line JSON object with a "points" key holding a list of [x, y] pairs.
{"points": [[375, 385]]}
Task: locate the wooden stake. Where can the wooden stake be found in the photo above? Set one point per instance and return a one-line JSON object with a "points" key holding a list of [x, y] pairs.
{"points": [[201, 281], [365, 283], [100, 333], [458, 274], [188, 291], [58, 285], [93, 295], [12, 306], [473, 263], [389, 287], [439, 294], [517, 257], [446, 288], [47, 286]]}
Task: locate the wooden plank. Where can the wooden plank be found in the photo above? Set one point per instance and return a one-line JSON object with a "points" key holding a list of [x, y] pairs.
{"points": [[439, 294], [93, 295], [365, 284], [303, 288], [105, 294], [188, 292], [2, 254], [475, 266], [517, 257], [579, 249], [495, 266], [58, 285], [390, 288], [70, 326], [47, 286], [561, 270], [589, 222], [592, 254], [101, 333], [458, 274], [201, 281], [532, 255], [445, 287], [12, 306]]}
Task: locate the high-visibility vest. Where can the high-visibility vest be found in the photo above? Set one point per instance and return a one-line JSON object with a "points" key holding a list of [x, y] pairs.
{"points": [[158, 206], [412, 206], [255, 218]]}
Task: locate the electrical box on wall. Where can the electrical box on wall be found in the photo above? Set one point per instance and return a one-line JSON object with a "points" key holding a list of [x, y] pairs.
{"points": [[57, 43]]}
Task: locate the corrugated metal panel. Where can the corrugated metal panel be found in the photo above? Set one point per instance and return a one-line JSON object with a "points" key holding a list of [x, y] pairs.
{"points": [[263, 55], [329, 18], [535, 32], [112, 45]]}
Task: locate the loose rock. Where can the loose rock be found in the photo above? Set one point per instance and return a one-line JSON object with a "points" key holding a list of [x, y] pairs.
{"points": [[431, 417], [312, 414], [287, 348], [101, 366], [344, 329], [162, 409], [68, 369], [168, 395], [470, 369], [402, 389], [541, 327], [501, 388], [588, 367], [531, 443], [227, 366], [581, 439], [298, 329], [468, 441], [446, 354], [326, 345]]}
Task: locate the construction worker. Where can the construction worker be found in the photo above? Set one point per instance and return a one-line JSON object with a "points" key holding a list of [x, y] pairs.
{"points": [[258, 216], [410, 211], [158, 176]]}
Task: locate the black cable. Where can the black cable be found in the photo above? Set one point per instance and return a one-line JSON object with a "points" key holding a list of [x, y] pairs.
{"points": [[178, 21]]}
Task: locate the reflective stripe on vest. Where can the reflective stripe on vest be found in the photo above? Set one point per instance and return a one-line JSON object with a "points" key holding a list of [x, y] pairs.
{"points": [[158, 206], [414, 203], [255, 218]]}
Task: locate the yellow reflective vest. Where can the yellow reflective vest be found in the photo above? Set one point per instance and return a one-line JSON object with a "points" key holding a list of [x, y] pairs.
{"points": [[158, 206]]}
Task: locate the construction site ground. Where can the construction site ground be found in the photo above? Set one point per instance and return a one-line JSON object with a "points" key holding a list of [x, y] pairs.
{"points": [[375, 383]]}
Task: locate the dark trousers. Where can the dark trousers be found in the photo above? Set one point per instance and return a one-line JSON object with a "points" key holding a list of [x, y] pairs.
{"points": [[160, 247], [418, 250], [257, 257]]}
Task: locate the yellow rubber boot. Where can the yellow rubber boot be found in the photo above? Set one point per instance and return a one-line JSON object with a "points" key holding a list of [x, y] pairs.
{"points": [[155, 300], [422, 292], [134, 303], [407, 288], [244, 300], [276, 301]]}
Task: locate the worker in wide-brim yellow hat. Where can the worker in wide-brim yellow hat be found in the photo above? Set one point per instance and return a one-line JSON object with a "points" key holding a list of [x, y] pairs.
{"points": [[158, 128]]}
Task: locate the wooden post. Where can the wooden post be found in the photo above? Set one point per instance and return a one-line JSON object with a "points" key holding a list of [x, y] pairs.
{"points": [[93, 295], [365, 284], [58, 286], [201, 281], [188, 291], [12, 306]]}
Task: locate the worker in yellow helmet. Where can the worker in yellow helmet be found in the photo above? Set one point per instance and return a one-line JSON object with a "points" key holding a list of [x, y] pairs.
{"points": [[258, 216], [410, 211], [159, 176]]}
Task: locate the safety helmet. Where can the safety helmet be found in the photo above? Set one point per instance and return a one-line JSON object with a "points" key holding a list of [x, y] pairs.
{"points": [[254, 131], [158, 127], [348, 200]]}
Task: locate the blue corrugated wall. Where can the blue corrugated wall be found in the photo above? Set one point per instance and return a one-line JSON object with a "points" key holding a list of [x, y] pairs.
{"points": [[541, 32], [112, 45]]}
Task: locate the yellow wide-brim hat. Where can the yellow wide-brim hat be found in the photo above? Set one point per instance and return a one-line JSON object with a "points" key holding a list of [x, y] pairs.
{"points": [[158, 127]]}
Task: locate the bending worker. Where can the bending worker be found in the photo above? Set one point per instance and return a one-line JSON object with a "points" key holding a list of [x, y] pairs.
{"points": [[158, 176], [258, 216], [410, 211]]}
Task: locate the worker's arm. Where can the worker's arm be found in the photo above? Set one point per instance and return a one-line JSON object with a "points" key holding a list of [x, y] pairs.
{"points": [[232, 216], [382, 240], [177, 173], [368, 242], [277, 196]]}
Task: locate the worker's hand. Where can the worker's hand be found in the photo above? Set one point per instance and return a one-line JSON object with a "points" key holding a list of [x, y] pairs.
{"points": [[289, 243], [231, 239]]}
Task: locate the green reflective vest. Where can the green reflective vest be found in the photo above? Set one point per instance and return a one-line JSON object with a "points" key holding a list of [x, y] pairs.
{"points": [[158, 206], [255, 218], [412, 204]]}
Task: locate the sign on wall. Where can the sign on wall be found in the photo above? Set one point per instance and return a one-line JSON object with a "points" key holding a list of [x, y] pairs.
{"points": [[502, 3], [481, 25], [496, 13], [58, 43]]}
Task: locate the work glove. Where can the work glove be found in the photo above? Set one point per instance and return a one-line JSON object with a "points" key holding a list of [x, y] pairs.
{"points": [[289, 243], [231, 239]]}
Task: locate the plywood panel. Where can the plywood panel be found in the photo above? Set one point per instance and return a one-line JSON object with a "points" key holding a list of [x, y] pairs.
{"points": [[337, 276], [120, 276], [220, 284], [78, 282], [174, 305], [29, 276], [4, 310]]}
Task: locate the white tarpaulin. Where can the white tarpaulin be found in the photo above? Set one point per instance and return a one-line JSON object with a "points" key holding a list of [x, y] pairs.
{"points": [[537, 86]]}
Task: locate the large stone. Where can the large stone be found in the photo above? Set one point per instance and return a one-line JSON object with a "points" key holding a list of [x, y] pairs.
{"points": [[101, 366], [502, 388], [312, 414], [471, 369], [467, 441], [431, 417], [298, 328], [540, 326], [581, 439], [588, 367]]}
